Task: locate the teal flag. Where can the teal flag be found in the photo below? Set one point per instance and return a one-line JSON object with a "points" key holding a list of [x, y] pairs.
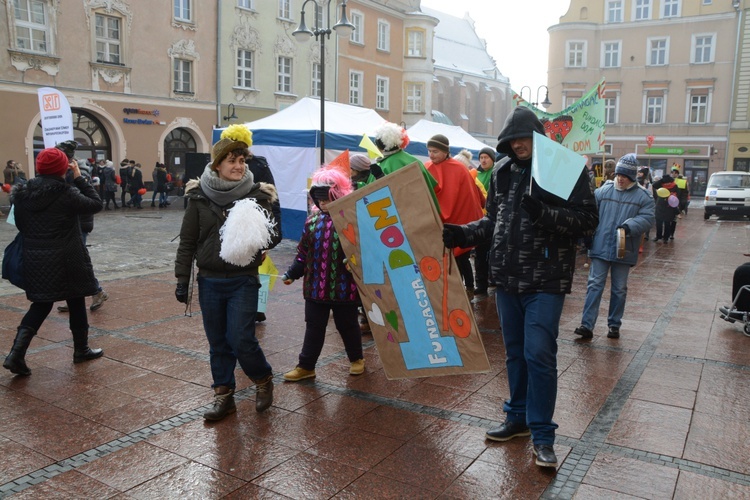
{"points": [[554, 167], [580, 126]]}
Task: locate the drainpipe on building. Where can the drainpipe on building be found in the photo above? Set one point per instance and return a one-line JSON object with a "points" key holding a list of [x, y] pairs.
{"points": [[218, 69], [727, 155]]}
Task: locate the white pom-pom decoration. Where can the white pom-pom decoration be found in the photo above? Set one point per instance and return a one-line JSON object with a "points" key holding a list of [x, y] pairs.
{"points": [[246, 231]]}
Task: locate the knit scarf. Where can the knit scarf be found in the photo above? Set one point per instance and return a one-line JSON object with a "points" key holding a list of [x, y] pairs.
{"points": [[223, 192]]}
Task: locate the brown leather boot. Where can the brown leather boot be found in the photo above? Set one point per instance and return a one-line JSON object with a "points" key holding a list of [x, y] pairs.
{"points": [[223, 404], [263, 393]]}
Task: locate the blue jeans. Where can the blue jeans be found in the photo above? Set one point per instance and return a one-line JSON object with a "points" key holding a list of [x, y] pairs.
{"points": [[229, 306], [530, 323], [595, 288]]}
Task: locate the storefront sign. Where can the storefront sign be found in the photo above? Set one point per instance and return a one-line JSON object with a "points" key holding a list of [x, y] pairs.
{"points": [[141, 121]]}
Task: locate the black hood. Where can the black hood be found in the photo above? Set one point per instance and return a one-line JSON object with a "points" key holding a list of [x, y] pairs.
{"points": [[522, 122]]}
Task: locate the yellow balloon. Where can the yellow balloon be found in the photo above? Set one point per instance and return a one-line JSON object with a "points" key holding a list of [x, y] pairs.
{"points": [[663, 192]]}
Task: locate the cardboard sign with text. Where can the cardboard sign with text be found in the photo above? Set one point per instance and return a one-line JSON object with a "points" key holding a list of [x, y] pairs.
{"points": [[411, 289]]}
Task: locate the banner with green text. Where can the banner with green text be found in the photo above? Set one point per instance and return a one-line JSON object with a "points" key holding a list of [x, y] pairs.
{"points": [[580, 126]]}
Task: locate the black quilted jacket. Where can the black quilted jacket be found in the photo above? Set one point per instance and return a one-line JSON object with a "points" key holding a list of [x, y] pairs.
{"points": [[531, 255], [56, 263]]}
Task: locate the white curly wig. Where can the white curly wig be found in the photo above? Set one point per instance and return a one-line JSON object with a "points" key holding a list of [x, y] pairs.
{"points": [[389, 137]]}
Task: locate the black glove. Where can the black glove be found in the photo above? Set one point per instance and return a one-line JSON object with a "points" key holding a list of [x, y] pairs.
{"points": [[626, 228], [181, 292], [532, 206], [453, 236], [376, 171]]}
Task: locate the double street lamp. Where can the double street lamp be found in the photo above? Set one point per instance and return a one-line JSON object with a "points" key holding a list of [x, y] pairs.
{"points": [[322, 30], [546, 103]]}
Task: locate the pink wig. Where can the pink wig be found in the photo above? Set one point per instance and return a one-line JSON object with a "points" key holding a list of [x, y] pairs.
{"points": [[339, 184]]}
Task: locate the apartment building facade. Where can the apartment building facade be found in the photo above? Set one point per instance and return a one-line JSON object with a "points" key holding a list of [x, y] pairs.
{"points": [[467, 88], [669, 69], [139, 76]]}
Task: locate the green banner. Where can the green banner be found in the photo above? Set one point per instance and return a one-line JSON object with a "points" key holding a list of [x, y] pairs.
{"points": [[580, 126]]}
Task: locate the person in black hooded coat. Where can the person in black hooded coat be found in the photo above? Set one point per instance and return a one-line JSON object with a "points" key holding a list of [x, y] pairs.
{"points": [[532, 260], [56, 264]]}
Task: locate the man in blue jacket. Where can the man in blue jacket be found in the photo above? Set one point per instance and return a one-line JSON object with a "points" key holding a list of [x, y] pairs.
{"points": [[623, 204]]}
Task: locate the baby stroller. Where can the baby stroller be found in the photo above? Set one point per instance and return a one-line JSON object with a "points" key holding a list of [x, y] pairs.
{"points": [[732, 314]]}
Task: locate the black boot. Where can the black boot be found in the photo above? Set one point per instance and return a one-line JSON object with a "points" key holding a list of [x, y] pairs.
{"points": [[15, 361], [263, 393], [81, 350]]}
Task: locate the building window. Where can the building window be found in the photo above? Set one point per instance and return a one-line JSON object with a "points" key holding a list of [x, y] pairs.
{"points": [[384, 35], [107, 39], [316, 79], [414, 93], [183, 10], [642, 10], [610, 54], [358, 35], [703, 49], [244, 69], [183, 74], [614, 11], [610, 110], [285, 9], [355, 88], [381, 92], [245, 4], [658, 51], [698, 109], [576, 54], [284, 75], [654, 109], [32, 32], [414, 43], [671, 8]]}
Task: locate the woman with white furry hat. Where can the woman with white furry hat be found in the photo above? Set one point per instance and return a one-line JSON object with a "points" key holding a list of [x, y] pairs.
{"points": [[227, 227]]}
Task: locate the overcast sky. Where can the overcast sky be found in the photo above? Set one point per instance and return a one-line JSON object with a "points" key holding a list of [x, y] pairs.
{"points": [[516, 34]]}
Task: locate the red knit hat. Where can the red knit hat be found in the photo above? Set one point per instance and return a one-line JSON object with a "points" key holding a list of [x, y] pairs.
{"points": [[51, 161]]}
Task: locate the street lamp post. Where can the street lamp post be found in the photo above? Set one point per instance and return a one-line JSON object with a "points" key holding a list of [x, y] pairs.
{"points": [[343, 28], [545, 103]]}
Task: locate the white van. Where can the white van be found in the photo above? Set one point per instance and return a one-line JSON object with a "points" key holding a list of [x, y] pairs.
{"points": [[728, 193]]}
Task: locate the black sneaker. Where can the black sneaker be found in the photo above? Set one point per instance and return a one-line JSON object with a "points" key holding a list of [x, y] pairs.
{"points": [[508, 430], [584, 332], [614, 332], [545, 455]]}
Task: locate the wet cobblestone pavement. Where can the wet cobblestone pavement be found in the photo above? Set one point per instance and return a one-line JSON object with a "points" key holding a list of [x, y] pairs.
{"points": [[661, 412]]}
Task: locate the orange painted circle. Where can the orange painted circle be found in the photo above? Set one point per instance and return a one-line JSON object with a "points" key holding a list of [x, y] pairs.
{"points": [[430, 268], [459, 323]]}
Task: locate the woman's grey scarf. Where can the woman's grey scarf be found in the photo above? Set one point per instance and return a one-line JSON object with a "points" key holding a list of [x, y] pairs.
{"points": [[224, 192]]}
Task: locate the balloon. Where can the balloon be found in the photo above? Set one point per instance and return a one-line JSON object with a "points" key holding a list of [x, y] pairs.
{"points": [[663, 192], [142, 191], [673, 201], [6, 188]]}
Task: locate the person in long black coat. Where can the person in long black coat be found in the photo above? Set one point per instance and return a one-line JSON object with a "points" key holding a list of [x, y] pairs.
{"points": [[56, 264]]}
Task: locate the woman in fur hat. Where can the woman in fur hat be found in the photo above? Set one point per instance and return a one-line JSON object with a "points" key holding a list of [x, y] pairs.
{"points": [[227, 227]]}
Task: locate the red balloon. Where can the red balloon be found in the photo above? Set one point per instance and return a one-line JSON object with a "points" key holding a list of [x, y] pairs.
{"points": [[6, 188], [142, 191]]}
